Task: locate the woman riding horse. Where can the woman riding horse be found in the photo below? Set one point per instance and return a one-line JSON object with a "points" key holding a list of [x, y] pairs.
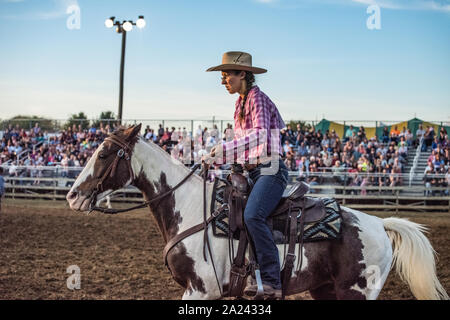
{"points": [[255, 118]]}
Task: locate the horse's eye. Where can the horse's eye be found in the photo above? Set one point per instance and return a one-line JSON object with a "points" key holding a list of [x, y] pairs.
{"points": [[101, 156]]}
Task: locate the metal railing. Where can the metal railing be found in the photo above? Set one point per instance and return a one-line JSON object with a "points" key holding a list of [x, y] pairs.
{"points": [[375, 198], [324, 172], [415, 161]]}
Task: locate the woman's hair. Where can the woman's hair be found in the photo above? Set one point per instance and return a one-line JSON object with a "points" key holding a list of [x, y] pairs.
{"points": [[249, 80]]}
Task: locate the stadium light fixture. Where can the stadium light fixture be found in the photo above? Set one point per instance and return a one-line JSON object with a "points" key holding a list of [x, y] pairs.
{"points": [[109, 22], [123, 27], [127, 26], [140, 23]]}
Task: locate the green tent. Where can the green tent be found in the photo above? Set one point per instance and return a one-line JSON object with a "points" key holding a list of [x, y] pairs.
{"points": [[323, 125], [377, 130]]}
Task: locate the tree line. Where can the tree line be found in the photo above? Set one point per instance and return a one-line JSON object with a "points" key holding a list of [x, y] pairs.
{"points": [[29, 121]]}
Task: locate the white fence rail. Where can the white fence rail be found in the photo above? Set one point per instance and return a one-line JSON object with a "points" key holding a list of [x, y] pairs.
{"points": [[373, 197]]}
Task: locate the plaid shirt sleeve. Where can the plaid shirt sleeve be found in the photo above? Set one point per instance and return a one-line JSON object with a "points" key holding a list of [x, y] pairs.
{"points": [[251, 138]]}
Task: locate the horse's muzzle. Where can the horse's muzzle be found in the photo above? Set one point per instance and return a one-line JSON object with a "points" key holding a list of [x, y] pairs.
{"points": [[77, 201]]}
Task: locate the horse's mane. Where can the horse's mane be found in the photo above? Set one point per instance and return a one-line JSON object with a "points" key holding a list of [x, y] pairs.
{"points": [[167, 155]]}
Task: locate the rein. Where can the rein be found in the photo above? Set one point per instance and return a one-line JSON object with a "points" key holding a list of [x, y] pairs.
{"points": [[124, 153], [145, 203]]}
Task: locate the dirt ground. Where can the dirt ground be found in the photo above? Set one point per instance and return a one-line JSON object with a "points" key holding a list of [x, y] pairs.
{"points": [[120, 256]]}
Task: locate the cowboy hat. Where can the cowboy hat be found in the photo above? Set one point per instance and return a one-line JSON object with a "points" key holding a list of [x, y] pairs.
{"points": [[237, 60]]}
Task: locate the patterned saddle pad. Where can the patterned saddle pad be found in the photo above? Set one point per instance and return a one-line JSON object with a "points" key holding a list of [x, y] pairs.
{"points": [[326, 229]]}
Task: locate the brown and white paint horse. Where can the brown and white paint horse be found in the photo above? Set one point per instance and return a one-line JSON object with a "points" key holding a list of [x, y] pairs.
{"points": [[354, 267]]}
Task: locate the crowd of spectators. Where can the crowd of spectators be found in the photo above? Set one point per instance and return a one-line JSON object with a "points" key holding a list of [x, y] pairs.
{"points": [[318, 157], [356, 160], [15, 140], [179, 141], [30, 151]]}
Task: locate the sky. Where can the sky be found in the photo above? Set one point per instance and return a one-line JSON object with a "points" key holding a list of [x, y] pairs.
{"points": [[322, 58]]}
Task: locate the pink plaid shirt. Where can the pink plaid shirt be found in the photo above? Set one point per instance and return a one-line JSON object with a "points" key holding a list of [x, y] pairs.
{"points": [[261, 130]]}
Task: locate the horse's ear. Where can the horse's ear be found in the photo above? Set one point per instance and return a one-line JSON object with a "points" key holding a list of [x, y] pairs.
{"points": [[133, 131]]}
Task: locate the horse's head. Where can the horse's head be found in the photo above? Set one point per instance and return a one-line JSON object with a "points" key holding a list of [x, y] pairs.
{"points": [[108, 169]]}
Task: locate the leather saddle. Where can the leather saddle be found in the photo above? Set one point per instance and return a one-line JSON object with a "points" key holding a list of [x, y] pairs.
{"points": [[297, 206], [294, 199]]}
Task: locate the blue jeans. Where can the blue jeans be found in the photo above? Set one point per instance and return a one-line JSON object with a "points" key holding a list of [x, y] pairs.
{"points": [[265, 196]]}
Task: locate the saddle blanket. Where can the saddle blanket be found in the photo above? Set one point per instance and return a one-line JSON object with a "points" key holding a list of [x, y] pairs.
{"points": [[327, 228]]}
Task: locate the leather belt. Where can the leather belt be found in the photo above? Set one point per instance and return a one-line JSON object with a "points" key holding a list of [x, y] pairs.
{"points": [[250, 167]]}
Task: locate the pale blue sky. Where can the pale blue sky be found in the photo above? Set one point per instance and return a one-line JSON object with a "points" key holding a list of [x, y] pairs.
{"points": [[322, 58]]}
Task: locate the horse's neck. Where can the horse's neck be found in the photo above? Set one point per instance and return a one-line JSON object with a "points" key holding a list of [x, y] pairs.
{"points": [[155, 173]]}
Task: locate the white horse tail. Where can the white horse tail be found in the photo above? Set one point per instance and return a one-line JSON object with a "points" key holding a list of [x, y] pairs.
{"points": [[413, 257]]}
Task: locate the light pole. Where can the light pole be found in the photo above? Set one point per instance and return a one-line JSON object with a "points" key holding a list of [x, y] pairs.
{"points": [[123, 27]]}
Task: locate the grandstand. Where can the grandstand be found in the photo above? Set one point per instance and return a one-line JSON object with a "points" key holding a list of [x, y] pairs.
{"points": [[409, 160]]}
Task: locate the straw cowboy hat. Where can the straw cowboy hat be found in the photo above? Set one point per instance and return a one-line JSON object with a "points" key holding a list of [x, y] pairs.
{"points": [[237, 60]]}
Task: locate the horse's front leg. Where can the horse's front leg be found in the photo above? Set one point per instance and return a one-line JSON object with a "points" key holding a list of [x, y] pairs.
{"points": [[203, 280], [210, 289]]}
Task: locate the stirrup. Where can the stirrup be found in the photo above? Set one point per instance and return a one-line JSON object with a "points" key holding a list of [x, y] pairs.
{"points": [[260, 288]]}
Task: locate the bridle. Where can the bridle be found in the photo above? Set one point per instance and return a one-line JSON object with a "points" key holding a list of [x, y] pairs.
{"points": [[125, 153]]}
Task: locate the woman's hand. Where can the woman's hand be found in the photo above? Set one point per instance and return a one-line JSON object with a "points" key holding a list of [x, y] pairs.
{"points": [[207, 159], [216, 151]]}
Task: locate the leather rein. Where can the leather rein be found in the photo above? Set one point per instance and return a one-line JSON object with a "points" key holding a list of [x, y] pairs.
{"points": [[125, 153]]}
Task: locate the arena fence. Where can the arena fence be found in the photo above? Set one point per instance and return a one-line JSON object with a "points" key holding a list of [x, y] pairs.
{"points": [[357, 197]]}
